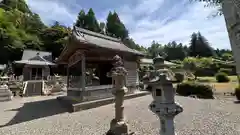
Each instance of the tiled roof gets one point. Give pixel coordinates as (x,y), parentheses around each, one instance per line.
(32,57)
(28,54)
(101,40)
(35,62)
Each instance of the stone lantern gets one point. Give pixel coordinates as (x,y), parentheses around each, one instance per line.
(118,74)
(163,93)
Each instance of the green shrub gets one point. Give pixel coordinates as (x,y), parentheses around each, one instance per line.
(237,93)
(179,77)
(193,88)
(222,77)
(228,71)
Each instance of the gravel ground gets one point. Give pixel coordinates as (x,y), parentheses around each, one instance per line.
(200,117)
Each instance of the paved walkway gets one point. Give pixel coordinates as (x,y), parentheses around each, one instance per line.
(200,117)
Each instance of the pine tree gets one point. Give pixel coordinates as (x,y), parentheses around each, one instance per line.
(81,19)
(91,22)
(193,43)
(199,46)
(206,49)
(115,27)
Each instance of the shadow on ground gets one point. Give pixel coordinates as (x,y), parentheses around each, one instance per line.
(35,110)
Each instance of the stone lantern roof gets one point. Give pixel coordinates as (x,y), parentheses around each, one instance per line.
(158,62)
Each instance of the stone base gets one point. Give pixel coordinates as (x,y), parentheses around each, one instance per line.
(118,128)
(5,95)
(74,103)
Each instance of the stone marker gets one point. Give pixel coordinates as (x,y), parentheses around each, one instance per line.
(163,94)
(118,74)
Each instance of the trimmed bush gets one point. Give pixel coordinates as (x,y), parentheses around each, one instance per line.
(228,71)
(222,77)
(237,93)
(179,77)
(193,88)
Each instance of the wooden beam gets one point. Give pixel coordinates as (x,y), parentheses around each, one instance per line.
(75,58)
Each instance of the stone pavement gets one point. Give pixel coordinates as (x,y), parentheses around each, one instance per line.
(200,117)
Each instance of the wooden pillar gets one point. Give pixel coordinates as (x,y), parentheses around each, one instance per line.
(83,67)
(67,77)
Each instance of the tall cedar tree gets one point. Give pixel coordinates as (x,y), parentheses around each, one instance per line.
(115,27)
(15,4)
(199,46)
(91,22)
(81,19)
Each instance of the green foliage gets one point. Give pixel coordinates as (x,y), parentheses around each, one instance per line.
(54,39)
(15,4)
(237,93)
(228,71)
(199,46)
(115,27)
(91,22)
(190,63)
(227,57)
(222,77)
(20,29)
(179,77)
(192,88)
(175,51)
(81,19)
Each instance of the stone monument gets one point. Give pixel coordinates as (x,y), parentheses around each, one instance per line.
(163,93)
(118,74)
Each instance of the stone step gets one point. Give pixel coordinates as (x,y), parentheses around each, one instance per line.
(3,90)
(8,98)
(5,94)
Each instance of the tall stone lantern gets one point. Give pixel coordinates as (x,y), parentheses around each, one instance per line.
(118,74)
(163,93)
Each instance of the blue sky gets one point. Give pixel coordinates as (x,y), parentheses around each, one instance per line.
(146,20)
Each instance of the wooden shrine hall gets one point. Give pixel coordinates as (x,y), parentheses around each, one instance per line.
(89,56)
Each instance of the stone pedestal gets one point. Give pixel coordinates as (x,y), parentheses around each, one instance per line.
(5,93)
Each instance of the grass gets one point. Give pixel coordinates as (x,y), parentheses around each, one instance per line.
(212,79)
(220,87)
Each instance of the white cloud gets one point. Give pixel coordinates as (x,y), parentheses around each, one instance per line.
(196,19)
(148,20)
(52,11)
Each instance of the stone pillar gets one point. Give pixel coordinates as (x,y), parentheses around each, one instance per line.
(67,77)
(118,74)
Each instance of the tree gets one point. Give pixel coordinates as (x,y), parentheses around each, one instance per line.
(54,39)
(213,3)
(199,46)
(175,51)
(227,57)
(91,22)
(15,4)
(155,49)
(115,27)
(191,64)
(81,19)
